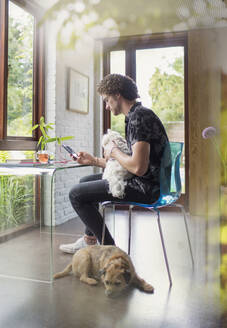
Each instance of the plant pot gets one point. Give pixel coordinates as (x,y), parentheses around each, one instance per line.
(43,156)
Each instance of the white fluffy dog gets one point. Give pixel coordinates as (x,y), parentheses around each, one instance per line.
(114,173)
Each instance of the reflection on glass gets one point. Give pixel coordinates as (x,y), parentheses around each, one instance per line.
(17,195)
(117,65)
(160,80)
(16,202)
(20,72)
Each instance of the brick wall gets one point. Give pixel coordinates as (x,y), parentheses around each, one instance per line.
(68,122)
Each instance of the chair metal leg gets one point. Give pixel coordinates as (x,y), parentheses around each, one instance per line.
(187,230)
(114,207)
(104,224)
(163,247)
(129,228)
(129,225)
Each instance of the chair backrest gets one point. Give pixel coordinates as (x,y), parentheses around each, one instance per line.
(170,181)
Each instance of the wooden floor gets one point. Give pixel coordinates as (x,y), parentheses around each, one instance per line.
(193,300)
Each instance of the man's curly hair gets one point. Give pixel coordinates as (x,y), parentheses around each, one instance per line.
(114,84)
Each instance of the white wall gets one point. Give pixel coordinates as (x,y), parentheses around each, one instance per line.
(67,122)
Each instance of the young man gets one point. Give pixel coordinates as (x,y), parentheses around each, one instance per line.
(146,139)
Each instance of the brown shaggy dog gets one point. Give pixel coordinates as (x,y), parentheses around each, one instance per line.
(109,263)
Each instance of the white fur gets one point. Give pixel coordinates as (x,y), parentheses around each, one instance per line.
(114,173)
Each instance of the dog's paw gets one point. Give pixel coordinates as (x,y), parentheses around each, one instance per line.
(148,288)
(143,285)
(89,281)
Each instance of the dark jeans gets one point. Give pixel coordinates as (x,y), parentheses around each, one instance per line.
(85,197)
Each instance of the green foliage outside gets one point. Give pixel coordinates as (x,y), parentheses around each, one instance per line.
(16,200)
(167,93)
(20,73)
(118,124)
(16,196)
(21,126)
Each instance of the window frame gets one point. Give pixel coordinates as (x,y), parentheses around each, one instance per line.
(160,40)
(21,143)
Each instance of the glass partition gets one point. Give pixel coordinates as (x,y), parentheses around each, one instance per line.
(17,196)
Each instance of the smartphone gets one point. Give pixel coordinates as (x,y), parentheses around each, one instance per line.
(70,151)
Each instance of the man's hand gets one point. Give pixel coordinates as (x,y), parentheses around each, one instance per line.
(136,163)
(108,150)
(85,158)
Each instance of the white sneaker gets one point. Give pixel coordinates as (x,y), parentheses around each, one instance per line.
(72,248)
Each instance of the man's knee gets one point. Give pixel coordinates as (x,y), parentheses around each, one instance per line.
(84,179)
(77,190)
(74,193)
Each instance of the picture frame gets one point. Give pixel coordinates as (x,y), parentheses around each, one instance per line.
(78,92)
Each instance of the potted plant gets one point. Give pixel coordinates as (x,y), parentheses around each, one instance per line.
(42,154)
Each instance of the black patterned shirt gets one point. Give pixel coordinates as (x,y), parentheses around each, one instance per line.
(142,124)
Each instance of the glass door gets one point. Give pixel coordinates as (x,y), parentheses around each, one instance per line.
(160,81)
(117,66)
(159,67)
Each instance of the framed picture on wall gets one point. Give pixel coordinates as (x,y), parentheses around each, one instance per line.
(78,91)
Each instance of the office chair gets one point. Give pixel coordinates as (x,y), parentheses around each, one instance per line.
(170,191)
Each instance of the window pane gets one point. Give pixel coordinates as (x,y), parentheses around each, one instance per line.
(160,80)
(117,65)
(20,72)
(117,62)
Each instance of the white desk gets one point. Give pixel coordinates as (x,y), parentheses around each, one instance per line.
(49,170)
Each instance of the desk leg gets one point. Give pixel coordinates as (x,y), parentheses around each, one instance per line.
(47,216)
(51,229)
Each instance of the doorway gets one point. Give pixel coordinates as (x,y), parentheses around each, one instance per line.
(158,64)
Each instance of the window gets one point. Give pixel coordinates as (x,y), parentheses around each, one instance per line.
(158,64)
(21,106)
(117,65)
(20,71)
(21,75)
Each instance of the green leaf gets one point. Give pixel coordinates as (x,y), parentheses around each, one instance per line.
(66,138)
(35,127)
(43,132)
(51,139)
(49,127)
(40,140)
